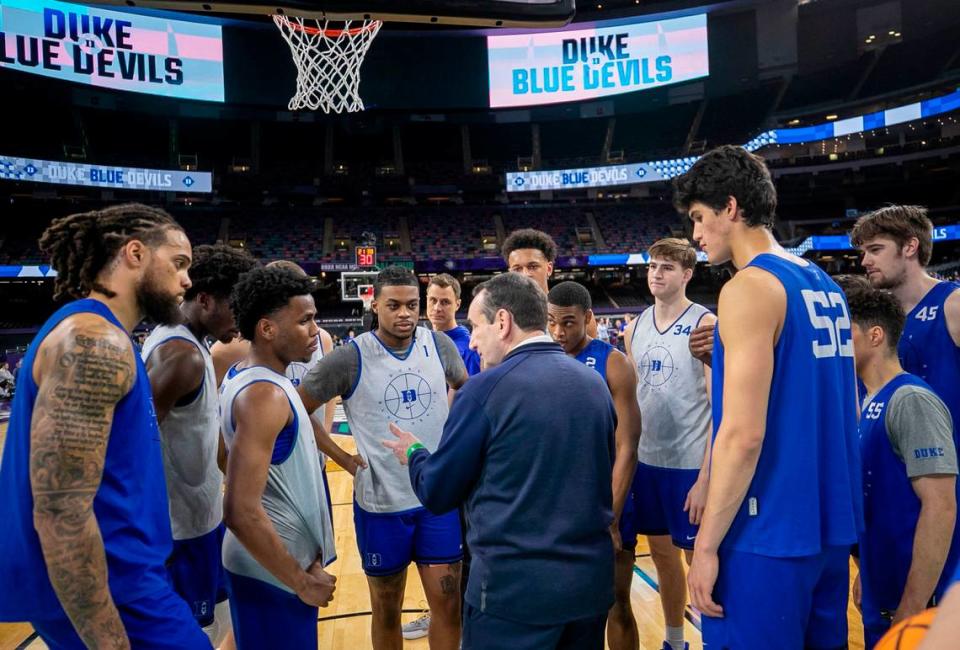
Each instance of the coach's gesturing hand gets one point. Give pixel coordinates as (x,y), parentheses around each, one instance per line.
(405,444)
(317,586)
(701,579)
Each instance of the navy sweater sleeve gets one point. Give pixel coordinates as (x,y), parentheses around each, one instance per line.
(443,480)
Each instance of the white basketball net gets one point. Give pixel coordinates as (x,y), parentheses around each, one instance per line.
(328,56)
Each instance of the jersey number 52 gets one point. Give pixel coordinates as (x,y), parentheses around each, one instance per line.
(837,329)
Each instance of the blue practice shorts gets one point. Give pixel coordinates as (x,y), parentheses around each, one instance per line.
(389,542)
(265,616)
(655,506)
(196,573)
(160,621)
(792,603)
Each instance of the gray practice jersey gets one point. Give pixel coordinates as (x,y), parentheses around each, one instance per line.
(297,370)
(380,386)
(916,419)
(411,392)
(671,390)
(190,436)
(294,497)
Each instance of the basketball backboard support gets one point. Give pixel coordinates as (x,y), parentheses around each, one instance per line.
(477,13)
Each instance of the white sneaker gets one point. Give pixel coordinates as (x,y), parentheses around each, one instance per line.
(417,629)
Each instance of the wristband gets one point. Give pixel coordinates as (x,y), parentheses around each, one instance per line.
(412,448)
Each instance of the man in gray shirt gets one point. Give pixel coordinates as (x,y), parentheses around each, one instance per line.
(397,374)
(909,548)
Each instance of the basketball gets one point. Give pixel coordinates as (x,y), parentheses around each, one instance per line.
(908,633)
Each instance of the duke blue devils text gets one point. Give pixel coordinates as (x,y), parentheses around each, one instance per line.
(98,46)
(604,62)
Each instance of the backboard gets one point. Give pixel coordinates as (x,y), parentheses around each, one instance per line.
(353,282)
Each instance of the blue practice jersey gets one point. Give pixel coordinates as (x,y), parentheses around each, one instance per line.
(806,492)
(891,511)
(927,350)
(595,356)
(461,338)
(130,504)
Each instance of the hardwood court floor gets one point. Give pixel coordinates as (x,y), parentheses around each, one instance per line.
(345,625)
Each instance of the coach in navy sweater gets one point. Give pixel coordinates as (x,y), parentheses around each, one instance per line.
(528,447)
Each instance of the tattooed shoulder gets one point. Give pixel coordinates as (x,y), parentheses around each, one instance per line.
(84,368)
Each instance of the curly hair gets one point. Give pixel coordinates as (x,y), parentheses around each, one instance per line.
(216,269)
(530,238)
(261,292)
(288,265)
(900,223)
(850,282)
(517,294)
(729,171)
(81,245)
(871,307)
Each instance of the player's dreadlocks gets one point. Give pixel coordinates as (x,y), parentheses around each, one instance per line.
(81,245)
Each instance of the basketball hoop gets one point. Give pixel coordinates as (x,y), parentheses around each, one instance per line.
(328,55)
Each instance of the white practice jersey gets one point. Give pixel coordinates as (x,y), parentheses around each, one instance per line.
(190,438)
(411,392)
(294,497)
(671,391)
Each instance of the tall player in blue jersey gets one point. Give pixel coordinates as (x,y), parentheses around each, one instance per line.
(569,310)
(82,491)
(909,473)
(897,243)
(784,502)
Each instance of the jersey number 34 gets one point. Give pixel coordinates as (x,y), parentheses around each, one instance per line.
(837,329)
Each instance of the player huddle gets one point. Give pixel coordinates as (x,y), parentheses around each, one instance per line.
(820,422)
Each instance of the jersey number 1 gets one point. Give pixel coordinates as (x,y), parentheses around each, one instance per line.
(835,328)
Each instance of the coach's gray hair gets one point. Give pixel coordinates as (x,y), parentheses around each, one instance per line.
(517,294)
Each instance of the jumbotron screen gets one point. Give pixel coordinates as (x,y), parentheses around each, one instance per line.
(608,58)
(112,49)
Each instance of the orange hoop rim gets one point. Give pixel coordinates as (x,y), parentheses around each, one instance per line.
(369,25)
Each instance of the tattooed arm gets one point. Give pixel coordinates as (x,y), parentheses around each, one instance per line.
(83,369)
